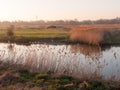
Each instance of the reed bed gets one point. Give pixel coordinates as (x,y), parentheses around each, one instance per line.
(82,62)
(96,34)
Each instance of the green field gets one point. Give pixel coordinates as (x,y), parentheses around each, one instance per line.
(38,33)
(26,35)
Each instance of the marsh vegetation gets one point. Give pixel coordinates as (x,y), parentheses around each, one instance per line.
(96,34)
(67,67)
(89,34)
(60,58)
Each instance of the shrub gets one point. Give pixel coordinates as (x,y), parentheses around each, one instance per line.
(10,31)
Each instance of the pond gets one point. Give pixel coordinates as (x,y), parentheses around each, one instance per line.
(78,60)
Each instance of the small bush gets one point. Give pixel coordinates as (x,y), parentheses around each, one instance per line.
(10,31)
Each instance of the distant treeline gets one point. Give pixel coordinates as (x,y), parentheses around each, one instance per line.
(38,23)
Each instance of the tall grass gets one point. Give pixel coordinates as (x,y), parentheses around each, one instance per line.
(95,35)
(84,64)
(47,59)
(86,36)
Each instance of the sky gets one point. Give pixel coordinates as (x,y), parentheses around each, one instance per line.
(27,10)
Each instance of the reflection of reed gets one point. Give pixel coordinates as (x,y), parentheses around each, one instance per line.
(92,59)
(86,50)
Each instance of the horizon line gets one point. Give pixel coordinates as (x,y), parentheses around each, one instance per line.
(75,19)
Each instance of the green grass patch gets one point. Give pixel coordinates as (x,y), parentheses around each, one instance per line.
(29,35)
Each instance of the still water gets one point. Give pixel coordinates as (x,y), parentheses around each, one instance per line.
(82,61)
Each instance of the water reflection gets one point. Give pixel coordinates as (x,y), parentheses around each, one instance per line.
(93,52)
(85,49)
(78,60)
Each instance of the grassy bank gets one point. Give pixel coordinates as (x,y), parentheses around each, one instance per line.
(14,77)
(90,34)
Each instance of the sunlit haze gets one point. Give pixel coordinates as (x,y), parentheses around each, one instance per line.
(11,10)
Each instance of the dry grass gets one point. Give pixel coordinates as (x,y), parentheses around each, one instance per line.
(13,79)
(56,59)
(87,36)
(53,61)
(94,34)
(45,58)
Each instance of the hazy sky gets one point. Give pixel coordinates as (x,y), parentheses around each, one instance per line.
(58,9)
